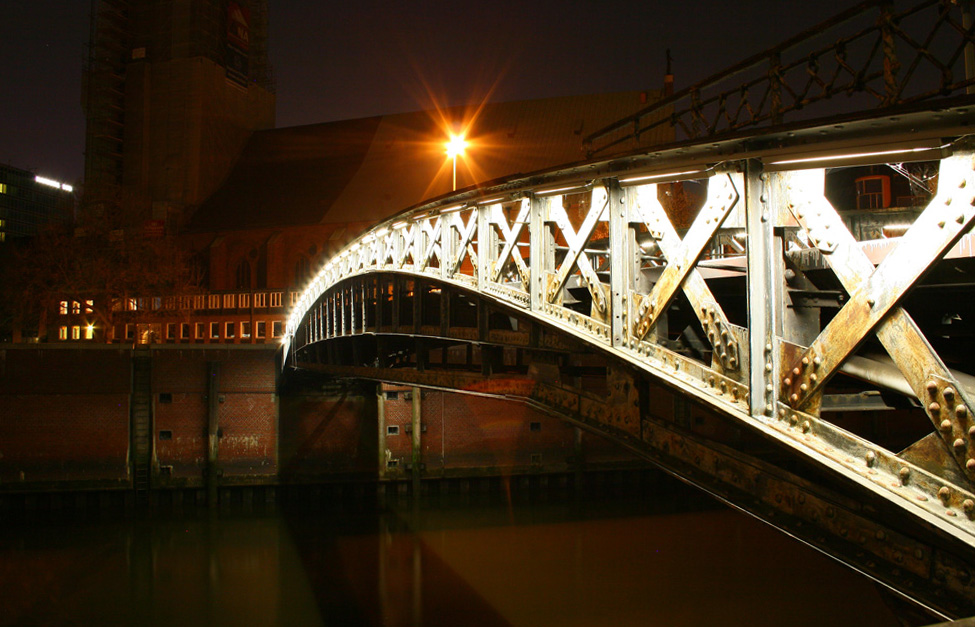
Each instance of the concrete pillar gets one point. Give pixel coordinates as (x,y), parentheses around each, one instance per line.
(417,428)
(381,434)
(213,426)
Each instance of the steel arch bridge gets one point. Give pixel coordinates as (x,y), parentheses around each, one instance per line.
(732,352)
(744,309)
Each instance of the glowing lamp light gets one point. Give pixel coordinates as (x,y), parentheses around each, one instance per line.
(455,148)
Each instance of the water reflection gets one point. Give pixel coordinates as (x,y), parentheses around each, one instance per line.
(448,561)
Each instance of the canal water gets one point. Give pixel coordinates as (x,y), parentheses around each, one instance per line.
(667,558)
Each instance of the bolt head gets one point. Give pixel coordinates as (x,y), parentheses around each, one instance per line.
(944,494)
(904,474)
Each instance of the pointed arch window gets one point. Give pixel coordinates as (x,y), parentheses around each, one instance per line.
(243,275)
(302,270)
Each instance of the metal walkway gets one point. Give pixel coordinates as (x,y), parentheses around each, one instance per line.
(756,312)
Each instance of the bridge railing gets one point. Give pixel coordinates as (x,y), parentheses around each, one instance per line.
(875,55)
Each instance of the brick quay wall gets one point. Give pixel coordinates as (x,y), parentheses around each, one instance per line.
(68,423)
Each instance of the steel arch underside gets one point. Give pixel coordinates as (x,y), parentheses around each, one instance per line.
(761,308)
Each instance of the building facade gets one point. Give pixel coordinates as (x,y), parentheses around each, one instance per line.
(28,201)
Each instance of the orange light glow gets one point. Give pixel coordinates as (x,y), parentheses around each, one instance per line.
(456,145)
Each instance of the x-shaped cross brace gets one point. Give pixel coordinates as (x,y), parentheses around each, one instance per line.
(680,271)
(874,293)
(511,242)
(431,227)
(466,232)
(575,255)
(409,234)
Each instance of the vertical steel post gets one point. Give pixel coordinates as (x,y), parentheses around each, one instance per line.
(890,53)
(619,272)
(536,243)
(484,252)
(763,291)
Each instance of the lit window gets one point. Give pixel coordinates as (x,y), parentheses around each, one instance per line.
(261,329)
(231,330)
(75,333)
(260,300)
(133,304)
(3,188)
(214,330)
(89,306)
(90,332)
(63,333)
(275,299)
(276,328)
(75,307)
(245,329)
(64,308)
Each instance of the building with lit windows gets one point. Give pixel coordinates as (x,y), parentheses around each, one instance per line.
(298,195)
(194,153)
(28,201)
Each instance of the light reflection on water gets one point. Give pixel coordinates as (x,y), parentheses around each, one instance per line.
(447,562)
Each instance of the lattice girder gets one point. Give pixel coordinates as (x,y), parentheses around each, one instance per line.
(516,246)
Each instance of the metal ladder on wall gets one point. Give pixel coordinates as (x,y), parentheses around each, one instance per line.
(141,423)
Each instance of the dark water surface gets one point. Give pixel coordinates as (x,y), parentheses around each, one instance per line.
(449,561)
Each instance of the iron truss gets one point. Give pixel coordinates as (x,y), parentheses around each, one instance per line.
(735,335)
(879,54)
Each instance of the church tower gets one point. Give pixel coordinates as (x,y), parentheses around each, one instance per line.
(173,90)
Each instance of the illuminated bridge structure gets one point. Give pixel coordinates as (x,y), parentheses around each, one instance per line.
(806,362)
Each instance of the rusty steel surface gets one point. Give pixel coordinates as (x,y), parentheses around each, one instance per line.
(519,289)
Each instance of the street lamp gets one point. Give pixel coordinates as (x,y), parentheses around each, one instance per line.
(455,146)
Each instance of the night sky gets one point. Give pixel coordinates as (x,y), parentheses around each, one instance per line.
(339,60)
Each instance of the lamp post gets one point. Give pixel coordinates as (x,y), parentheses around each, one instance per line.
(455,147)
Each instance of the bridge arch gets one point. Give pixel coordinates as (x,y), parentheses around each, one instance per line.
(770,311)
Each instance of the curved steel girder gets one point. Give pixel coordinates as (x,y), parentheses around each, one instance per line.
(935,571)
(918,493)
(464,242)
